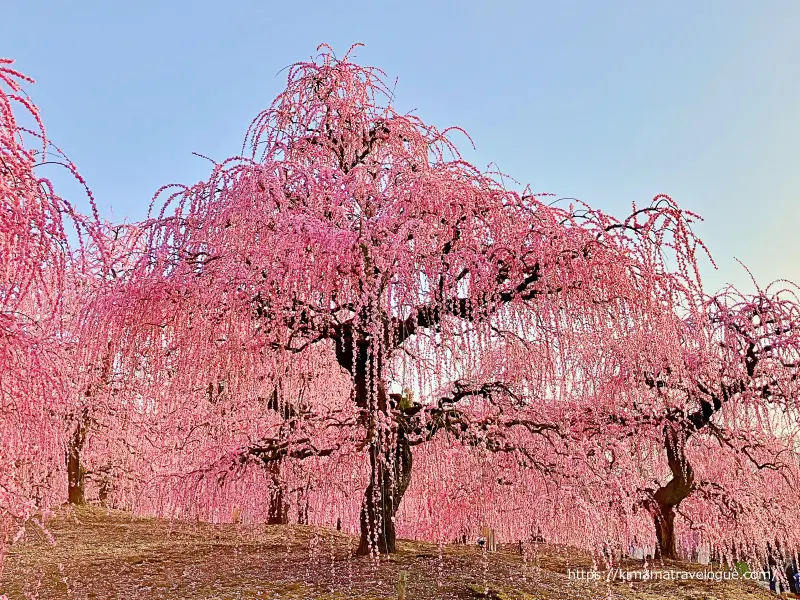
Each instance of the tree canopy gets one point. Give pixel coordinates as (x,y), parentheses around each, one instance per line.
(350,323)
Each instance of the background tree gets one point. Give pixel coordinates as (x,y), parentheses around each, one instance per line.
(712,430)
(90,366)
(34,254)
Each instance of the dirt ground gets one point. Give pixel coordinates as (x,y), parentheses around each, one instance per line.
(102,554)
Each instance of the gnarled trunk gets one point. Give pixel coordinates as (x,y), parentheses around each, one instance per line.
(668,497)
(391,476)
(278,508)
(390,456)
(278,505)
(665,532)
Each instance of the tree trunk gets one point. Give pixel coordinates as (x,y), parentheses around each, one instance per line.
(302,504)
(104,487)
(278,505)
(665,533)
(302,510)
(391,475)
(668,497)
(76,474)
(278,509)
(390,462)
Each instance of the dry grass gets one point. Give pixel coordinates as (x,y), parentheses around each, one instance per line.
(103,554)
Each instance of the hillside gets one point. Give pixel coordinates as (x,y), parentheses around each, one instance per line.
(105,554)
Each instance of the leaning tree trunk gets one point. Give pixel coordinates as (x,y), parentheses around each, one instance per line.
(391,475)
(668,497)
(76,474)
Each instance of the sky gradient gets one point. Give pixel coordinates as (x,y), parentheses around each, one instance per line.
(611,102)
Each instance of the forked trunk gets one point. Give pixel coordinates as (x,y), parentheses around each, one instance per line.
(390,458)
(391,475)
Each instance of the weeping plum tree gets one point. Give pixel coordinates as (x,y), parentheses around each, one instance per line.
(741,401)
(31,267)
(358,234)
(89,367)
(40,275)
(712,430)
(34,256)
(355,242)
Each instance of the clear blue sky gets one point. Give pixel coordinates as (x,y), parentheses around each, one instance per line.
(608,101)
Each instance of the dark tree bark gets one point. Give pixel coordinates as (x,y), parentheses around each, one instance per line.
(391,476)
(278,509)
(104,487)
(665,532)
(75,477)
(302,507)
(76,474)
(278,504)
(668,498)
(390,467)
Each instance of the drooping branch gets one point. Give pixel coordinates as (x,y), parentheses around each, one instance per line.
(269,450)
